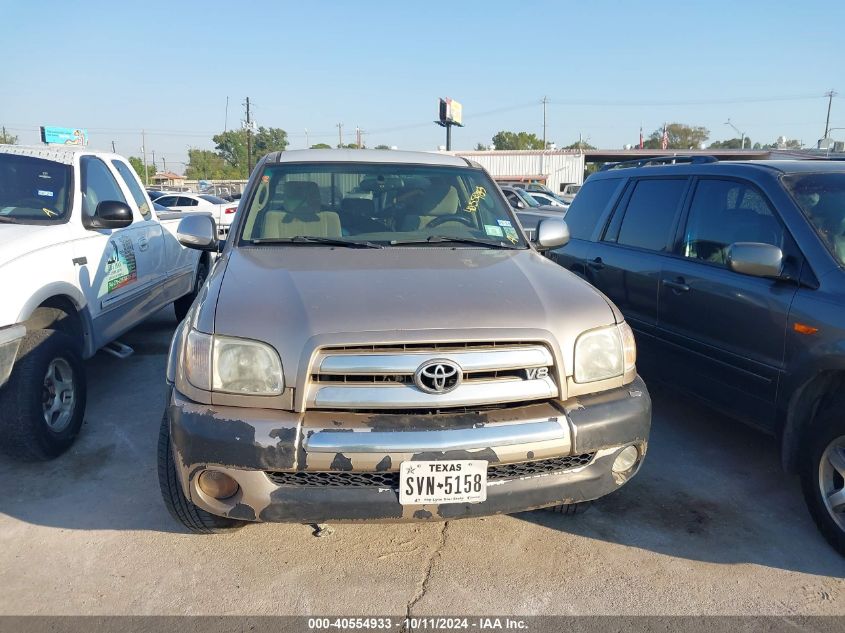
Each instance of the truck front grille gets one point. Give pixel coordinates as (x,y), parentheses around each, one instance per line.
(495,472)
(367,378)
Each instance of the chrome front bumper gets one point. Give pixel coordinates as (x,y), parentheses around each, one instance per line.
(250,443)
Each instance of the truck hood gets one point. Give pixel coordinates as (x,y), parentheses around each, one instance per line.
(17,240)
(298,298)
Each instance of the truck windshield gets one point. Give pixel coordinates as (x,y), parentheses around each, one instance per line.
(33,190)
(822,199)
(391,205)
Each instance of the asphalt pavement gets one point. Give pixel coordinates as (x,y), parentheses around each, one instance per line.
(711,525)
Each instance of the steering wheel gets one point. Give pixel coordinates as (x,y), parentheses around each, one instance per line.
(443,219)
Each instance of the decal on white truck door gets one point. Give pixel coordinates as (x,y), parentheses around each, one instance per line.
(121,269)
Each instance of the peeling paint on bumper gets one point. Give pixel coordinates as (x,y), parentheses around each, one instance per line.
(245,443)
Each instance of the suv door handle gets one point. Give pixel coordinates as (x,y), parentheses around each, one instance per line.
(676,286)
(596,264)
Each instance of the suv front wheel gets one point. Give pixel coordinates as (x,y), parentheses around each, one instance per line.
(823,474)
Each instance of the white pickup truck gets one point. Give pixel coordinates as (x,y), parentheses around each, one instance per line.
(83,258)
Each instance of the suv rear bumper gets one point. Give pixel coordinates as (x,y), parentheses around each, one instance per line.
(248,444)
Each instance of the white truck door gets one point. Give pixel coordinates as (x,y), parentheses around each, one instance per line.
(114,266)
(151,240)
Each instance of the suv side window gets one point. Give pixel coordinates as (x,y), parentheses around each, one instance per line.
(134,188)
(727,211)
(589,205)
(650,215)
(98,185)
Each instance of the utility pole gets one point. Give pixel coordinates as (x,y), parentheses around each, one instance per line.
(545,101)
(340,135)
(248,140)
(830,94)
(164,163)
(114,151)
(226,117)
(154,158)
(144,152)
(358,132)
(307,146)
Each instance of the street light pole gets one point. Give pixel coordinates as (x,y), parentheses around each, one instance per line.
(741,134)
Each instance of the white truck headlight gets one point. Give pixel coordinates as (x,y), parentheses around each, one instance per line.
(605,352)
(232,365)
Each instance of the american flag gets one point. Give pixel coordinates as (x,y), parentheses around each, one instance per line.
(664,144)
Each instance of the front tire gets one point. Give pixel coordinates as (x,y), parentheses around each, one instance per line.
(823,474)
(43,403)
(183,304)
(181,508)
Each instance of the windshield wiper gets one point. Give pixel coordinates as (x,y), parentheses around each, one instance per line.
(313,239)
(439,239)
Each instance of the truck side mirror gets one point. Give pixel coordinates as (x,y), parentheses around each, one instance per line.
(756,259)
(111,214)
(551,233)
(198,231)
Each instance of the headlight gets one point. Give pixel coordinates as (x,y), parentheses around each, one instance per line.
(232,365)
(604,353)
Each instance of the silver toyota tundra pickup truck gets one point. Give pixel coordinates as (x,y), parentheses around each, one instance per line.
(378,341)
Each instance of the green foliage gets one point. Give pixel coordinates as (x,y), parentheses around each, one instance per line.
(7,138)
(731,143)
(517,140)
(204,164)
(321,146)
(480,147)
(138,166)
(350,146)
(681,136)
(231,146)
(580,145)
(382,147)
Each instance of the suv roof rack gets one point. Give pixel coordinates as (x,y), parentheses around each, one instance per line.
(659,160)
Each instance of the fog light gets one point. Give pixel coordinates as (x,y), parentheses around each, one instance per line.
(626,459)
(216,484)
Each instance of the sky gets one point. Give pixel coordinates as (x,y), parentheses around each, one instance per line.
(607,67)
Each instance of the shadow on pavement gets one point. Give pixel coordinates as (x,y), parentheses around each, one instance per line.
(711,489)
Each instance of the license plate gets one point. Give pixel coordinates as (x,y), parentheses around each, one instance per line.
(447,481)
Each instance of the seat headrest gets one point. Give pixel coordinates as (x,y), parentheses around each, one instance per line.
(301,197)
(439,199)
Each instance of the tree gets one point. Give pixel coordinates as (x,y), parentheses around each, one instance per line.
(7,138)
(231,146)
(517,140)
(480,147)
(382,147)
(138,166)
(681,136)
(321,146)
(731,143)
(204,164)
(580,145)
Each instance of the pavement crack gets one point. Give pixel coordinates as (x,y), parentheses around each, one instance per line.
(423,586)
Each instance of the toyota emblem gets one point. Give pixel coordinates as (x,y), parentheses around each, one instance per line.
(438,376)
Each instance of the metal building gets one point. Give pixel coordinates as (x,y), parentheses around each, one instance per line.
(553,168)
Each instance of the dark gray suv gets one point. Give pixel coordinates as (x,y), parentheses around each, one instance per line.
(732,276)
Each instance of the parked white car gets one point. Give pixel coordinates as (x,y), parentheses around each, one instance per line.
(222,211)
(550,200)
(84,257)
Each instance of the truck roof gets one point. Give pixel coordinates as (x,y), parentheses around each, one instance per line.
(56,153)
(367,156)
